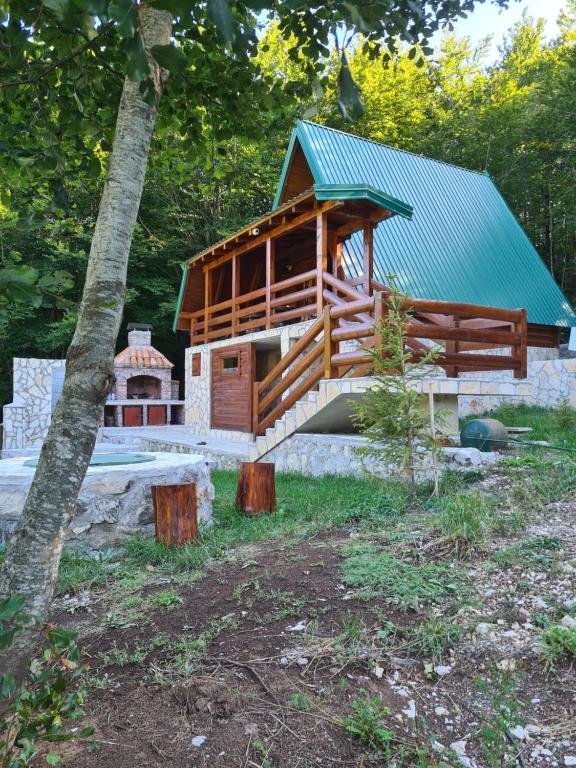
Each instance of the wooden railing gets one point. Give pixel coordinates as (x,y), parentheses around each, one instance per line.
(290,300)
(456,330)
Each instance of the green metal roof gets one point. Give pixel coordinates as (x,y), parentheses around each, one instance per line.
(462,243)
(362,192)
(180,296)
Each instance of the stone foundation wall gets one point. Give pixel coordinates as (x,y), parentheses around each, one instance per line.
(27,418)
(317,455)
(549,382)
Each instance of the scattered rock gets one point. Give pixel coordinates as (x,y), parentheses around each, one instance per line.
(442,669)
(410,710)
(197,741)
(299,627)
(569,621)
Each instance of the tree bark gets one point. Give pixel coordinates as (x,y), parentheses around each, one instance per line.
(33,551)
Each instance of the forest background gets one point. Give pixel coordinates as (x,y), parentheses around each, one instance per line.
(515,119)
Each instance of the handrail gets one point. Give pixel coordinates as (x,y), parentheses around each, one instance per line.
(355,318)
(292,354)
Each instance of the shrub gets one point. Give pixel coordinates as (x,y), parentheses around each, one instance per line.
(366,723)
(558,642)
(464,520)
(34,712)
(433,637)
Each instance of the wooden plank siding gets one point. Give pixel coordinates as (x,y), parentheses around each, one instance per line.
(231,388)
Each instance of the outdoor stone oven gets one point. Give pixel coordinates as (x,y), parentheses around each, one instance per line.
(144,393)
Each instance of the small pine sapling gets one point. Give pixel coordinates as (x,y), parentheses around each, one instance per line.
(393,415)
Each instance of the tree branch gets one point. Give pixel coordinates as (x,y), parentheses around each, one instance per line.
(60,62)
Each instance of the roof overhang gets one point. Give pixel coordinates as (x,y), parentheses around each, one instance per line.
(363,192)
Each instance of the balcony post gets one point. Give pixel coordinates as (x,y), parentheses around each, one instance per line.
(330,347)
(270,277)
(368,256)
(321,259)
(207,292)
(234,293)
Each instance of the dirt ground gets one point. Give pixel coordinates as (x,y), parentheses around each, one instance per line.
(258,662)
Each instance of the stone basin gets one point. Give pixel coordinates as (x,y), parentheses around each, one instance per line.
(115,499)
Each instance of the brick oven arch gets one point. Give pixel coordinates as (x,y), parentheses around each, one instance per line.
(144,387)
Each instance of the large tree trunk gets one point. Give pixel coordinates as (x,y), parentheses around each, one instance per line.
(33,551)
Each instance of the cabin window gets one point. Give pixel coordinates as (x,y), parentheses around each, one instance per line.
(230,364)
(196,364)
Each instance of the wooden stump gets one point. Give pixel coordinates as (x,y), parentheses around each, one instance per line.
(175,513)
(256,492)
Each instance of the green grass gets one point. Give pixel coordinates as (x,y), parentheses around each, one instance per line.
(306,505)
(535,554)
(433,637)
(408,585)
(168,598)
(558,642)
(465,520)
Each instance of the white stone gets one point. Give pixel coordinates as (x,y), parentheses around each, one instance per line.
(410,710)
(568,621)
(569,760)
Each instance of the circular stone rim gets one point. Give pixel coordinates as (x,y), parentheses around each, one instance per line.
(107,459)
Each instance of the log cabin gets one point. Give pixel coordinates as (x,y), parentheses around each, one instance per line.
(281,314)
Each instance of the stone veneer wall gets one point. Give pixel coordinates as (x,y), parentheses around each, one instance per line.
(27,418)
(550,380)
(198,403)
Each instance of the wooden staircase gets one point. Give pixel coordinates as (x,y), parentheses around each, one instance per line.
(295,389)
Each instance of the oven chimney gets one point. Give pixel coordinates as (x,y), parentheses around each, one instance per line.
(139,335)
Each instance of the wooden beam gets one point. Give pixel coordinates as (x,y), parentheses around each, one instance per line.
(368,257)
(321,258)
(278,231)
(331,347)
(235,291)
(270,277)
(207,299)
(356,224)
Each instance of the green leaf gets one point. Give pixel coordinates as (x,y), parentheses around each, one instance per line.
(7,685)
(137,63)
(52,758)
(220,13)
(170,57)
(6,639)
(13,604)
(349,101)
(60,8)
(86,732)
(124,14)
(357,18)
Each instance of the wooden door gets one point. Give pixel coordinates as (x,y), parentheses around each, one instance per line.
(157,415)
(233,370)
(132,415)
